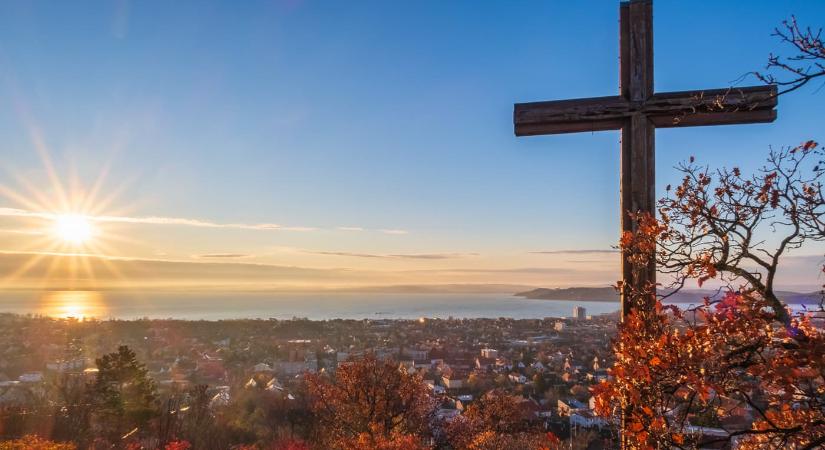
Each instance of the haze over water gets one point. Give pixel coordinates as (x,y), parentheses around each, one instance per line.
(216,306)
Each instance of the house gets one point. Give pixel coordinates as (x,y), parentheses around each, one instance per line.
(222,398)
(597,376)
(447,410)
(289,368)
(31,377)
(14,393)
(504,363)
(262,367)
(568,406)
(437,389)
(485,363)
(413,366)
(68,365)
(273,385)
(466,398)
(528,408)
(251,384)
(490,353)
(415,353)
(587,419)
(211,368)
(460,363)
(517,378)
(454,379)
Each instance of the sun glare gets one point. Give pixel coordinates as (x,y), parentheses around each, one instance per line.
(79,305)
(73,229)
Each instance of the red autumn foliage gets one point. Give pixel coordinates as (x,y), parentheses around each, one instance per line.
(289,444)
(178,445)
(31,442)
(495,421)
(371,402)
(740,363)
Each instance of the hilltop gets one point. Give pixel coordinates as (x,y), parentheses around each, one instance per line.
(608,293)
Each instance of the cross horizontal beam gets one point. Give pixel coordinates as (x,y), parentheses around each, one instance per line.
(673,109)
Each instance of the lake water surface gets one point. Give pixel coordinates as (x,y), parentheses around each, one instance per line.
(212,306)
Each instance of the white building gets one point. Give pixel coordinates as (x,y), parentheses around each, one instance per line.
(31,377)
(489,353)
(579,313)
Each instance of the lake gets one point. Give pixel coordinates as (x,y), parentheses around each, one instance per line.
(214,306)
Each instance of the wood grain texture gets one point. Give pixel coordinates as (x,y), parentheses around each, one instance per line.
(671,109)
(638,111)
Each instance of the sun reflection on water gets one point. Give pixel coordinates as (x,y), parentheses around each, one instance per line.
(79,305)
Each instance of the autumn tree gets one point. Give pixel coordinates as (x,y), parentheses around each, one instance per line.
(496,421)
(806,62)
(370,401)
(198,425)
(740,362)
(31,442)
(74,405)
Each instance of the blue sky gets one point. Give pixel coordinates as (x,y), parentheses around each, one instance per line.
(372,115)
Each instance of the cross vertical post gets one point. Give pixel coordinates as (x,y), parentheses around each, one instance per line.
(638,159)
(637,111)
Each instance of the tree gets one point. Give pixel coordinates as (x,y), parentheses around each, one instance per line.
(490,440)
(124,393)
(805,65)
(741,350)
(495,421)
(73,409)
(370,399)
(31,442)
(714,226)
(198,424)
(379,441)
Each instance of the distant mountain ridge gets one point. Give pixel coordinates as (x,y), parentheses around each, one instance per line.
(608,294)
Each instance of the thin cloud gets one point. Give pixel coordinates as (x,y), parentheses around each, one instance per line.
(434,255)
(348,254)
(15,212)
(574,252)
(159,220)
(394,231)
(189,222)
(397,255)
(223,255)
(21,231)
(586,261)
(530,270)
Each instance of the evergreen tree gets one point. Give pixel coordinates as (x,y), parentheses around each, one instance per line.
(124,393)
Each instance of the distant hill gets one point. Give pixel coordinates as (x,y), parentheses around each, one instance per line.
(608,294)
(584,294)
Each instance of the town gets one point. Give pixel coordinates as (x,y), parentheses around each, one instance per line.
(546,365)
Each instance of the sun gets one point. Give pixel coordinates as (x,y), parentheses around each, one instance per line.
(73,229)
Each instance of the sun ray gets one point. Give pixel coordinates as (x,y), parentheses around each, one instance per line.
(106,262)
(90,200)
(71,248)
(103,206)
(22,200)
(43,151)
(54,265)
(24,268)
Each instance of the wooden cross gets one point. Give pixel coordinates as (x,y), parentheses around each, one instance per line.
(638,111)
